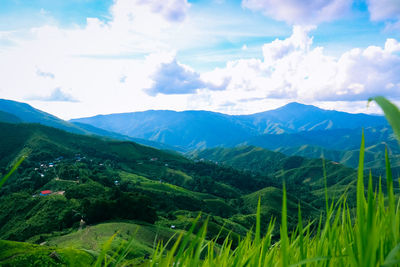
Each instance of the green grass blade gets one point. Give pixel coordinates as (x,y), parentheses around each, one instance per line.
(284,231)
(389,182)
(326,186)
(301,235)
(258,222)
(122,255)
(392,113)
(13,169)
(187,237)
(102,258)
(307,261)
(391,258)
(361,238)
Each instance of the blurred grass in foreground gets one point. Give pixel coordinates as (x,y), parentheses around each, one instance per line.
(13,169)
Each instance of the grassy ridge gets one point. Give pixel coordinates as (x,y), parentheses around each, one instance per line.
(25,254)
(91,238)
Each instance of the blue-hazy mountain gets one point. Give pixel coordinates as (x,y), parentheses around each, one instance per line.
(18,112)
(27,114)
(100,132)
(294,129)
(201,129)
(189,129)
(296,117)
(8,117)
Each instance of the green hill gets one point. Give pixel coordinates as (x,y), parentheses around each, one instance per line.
(91,238)
(374,156)
(26,254)
(304,177)
(115,186)
(100,180)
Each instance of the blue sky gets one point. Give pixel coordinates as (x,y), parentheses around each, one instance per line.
(354,29)
(228,56)
(15,14)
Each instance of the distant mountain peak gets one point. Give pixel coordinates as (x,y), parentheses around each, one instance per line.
(297,105)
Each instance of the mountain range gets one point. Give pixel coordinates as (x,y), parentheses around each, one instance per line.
(294,129)
(202,129)
(18,112)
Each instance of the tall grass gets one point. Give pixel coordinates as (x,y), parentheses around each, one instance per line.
(368,235)
(369,239)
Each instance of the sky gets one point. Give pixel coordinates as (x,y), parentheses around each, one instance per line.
(81,58)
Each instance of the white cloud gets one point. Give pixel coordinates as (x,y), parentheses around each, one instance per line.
(292,69)
(122,79)
(174,78)
(300,11)
(170,10)
(107,65)
(384,9)
(392,26)
(45,74)
(299,40)
(104,64)
(387,11)
(57,95)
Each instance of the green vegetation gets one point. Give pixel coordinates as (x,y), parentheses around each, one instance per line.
(91,238)
(13,169)
(371,238)
(25,254)
(95,181)
(367,235)
(374,154)
(392,113)
(89,201)
(304,177)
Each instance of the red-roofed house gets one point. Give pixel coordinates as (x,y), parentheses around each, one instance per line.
(45,192)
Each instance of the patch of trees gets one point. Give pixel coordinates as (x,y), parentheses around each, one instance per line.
(22,216)
(120,206)
(242,180)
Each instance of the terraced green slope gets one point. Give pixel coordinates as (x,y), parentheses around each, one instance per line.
(304,177)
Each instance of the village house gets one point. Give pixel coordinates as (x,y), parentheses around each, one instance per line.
(45,192)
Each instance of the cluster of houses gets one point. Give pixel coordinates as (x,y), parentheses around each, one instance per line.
(44,167)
